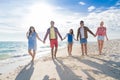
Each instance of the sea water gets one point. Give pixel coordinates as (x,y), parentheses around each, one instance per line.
(13,49)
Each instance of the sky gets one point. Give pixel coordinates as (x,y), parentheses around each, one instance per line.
(16,16)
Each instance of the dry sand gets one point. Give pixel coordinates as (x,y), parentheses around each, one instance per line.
(77,67)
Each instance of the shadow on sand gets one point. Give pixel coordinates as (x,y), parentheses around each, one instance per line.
(46,77)
(106,68)
(64,72)
(26,72)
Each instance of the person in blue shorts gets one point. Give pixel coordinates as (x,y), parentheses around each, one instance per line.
(70,37)
(32,42)
(82,33)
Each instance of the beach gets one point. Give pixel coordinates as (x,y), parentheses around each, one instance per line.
(75,67)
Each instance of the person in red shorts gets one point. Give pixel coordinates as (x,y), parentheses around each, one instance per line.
(52,32)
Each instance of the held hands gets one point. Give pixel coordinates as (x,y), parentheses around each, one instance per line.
(95,35)
(62,39)
(44,42)
(75,39)
(40,40)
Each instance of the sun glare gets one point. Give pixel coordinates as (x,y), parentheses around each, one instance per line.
(39,14)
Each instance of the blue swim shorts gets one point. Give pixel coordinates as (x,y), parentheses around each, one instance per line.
(83,40)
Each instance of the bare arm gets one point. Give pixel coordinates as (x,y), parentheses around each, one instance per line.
(38,37)
(106,37)
(78,33)
(59,34)
(27,34)
(106,34)
(74,38)
(65,37)
(46,36)
(96,32)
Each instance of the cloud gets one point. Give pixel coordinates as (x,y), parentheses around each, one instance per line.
(12,14)
(118,3)
(82,3)
(91,8)
(111,18)
(59,8)
(19,18)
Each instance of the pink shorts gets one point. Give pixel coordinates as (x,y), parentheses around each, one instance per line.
(53,42)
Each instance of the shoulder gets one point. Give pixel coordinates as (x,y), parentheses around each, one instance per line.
(73,35)
(35,33)
(85,27)
(48,29)
(67,34)
(98,27)
(79,28)
(56,28)
(104,27)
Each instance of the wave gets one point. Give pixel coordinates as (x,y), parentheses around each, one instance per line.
(10,49)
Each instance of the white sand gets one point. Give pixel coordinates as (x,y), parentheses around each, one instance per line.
(77,67)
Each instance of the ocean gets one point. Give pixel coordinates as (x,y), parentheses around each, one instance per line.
(14,49)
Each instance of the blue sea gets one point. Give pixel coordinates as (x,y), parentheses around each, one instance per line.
(13,49)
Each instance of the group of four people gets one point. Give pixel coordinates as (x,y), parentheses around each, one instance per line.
(53,37)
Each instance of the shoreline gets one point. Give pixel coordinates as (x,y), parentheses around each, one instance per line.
(111,54)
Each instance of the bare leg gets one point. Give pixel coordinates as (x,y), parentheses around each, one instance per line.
(70,49)
(85,48)
(102,42)
(55,51)
(34,53)
(29,51)
(99,46)
(52,52)
(82,49)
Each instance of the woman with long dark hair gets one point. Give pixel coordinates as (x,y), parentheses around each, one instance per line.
(32,45)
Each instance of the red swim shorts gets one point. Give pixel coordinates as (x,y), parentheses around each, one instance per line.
(53,42)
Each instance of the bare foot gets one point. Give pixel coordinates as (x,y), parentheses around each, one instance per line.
(55,56)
